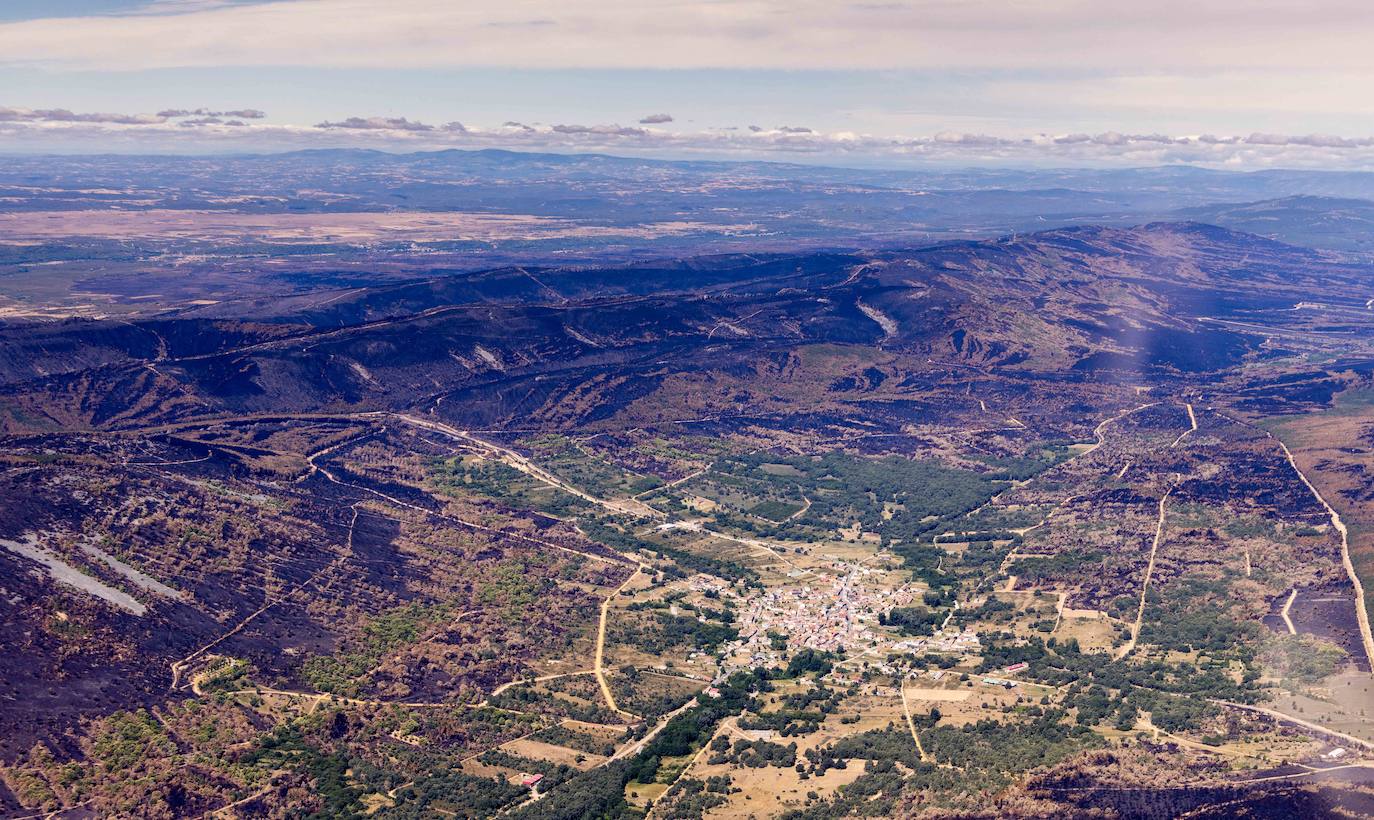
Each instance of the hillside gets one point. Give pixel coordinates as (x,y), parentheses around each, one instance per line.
(441,532)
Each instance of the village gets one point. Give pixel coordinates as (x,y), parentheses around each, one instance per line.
(833,613)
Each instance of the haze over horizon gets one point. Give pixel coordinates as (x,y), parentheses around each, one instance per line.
(1066,83)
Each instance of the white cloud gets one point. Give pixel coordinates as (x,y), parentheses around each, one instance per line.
(199,116)
(242,113)
(62,115)
(1174,36)
(55,129)
(376,124)
(601,131)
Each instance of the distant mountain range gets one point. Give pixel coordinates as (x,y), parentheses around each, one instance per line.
(97,235)
(800,202)
(1315,221)
(1169,299)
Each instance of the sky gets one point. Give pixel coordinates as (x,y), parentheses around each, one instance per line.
(1224,83)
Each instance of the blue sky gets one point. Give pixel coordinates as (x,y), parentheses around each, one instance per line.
(1253,83)
(30,9)
(12,10)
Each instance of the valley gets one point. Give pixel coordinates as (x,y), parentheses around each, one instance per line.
(1065,523)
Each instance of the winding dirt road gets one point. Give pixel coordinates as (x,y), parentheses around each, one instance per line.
(1129,647)
(911,723)
(1361,611)
(598,666)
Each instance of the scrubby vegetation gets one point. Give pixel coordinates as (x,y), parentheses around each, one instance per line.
(340,673)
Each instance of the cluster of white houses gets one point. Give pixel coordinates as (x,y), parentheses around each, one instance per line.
(832,617)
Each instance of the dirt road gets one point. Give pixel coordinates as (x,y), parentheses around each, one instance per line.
(1145,586)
